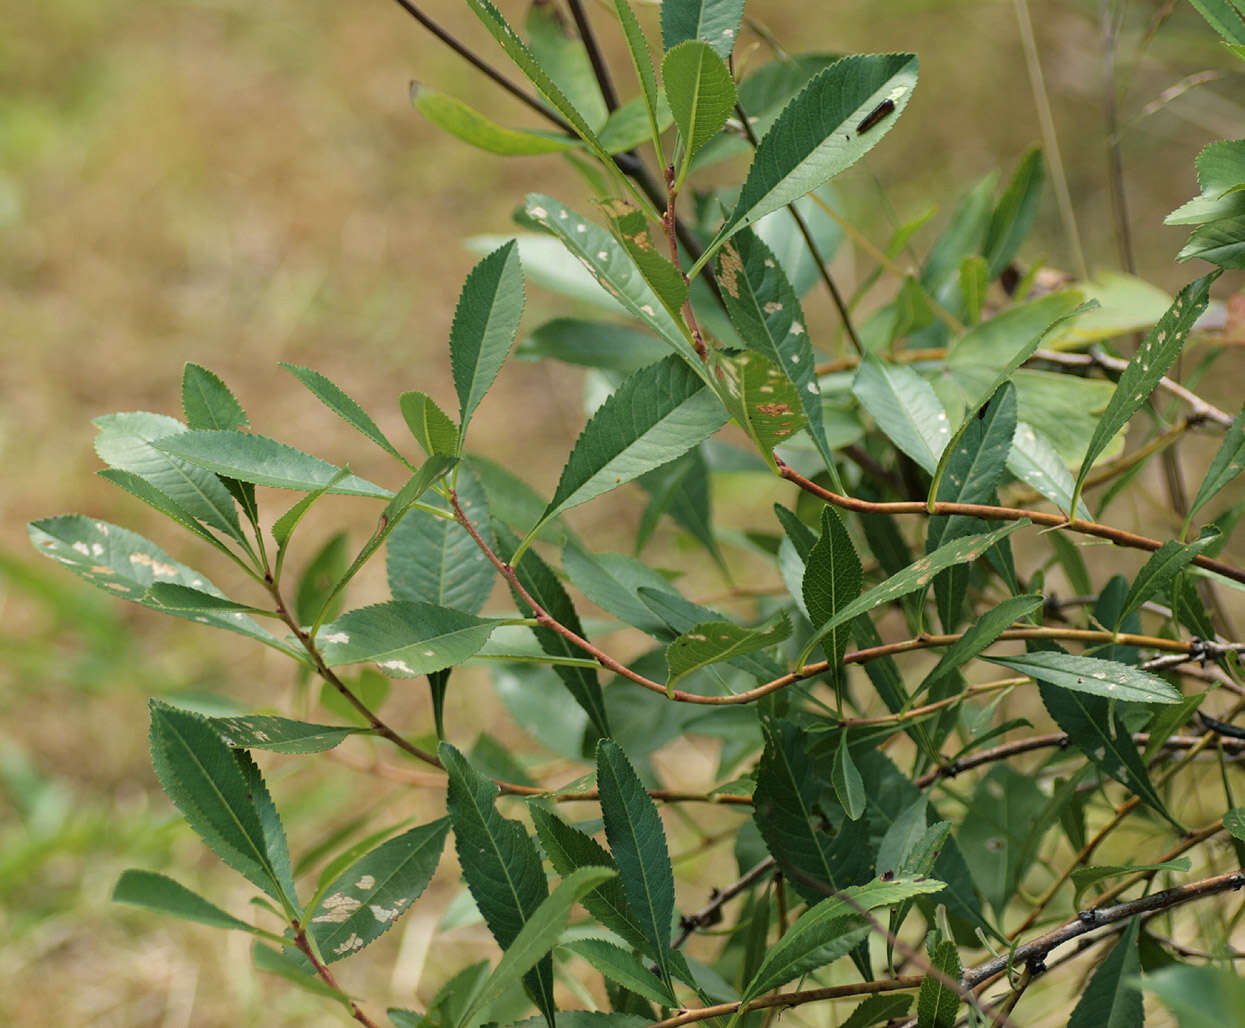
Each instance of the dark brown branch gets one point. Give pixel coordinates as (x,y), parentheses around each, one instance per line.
(326,976)
(599,67)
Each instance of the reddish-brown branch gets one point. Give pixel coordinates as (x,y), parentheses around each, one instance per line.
(991,513)
(326,976)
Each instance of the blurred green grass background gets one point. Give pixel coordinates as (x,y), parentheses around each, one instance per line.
(237,183)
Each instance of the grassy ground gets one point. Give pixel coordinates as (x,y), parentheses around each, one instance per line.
(236,184)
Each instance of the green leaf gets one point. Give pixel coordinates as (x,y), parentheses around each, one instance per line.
(616,964)
(263,461)
(973,285)
(765,310)
(849,787)
(317,583)
(1035,461)
(1202,997)
(1228,462)
(473,128)
(972,466)
(433,559)
(783,809)
(876,1009)
(701,94)
(905,408)
(1220,172)
(208,403)
(632,231)
(1159,351)
(209,783)
(832,579)
(1084,877)
(127,442)
(539,935)
(1234,822)
(569,849)
(656,415)
(635,123)
(485,321)
(713,641)
(682,490)
(283,527)
(183,599)
(126,565)
(989,626)
(432,428)
(996,835)
(608,262)
(564,58)
(915,576)
(160,893)
(638,843)
(760,397)
(1157,572)
(937,1003)
(1223,18)
(141,488)
(592,344)
(278,734)
(1112,998)
(821,132)
(1096,729)
(1106,678)
(295,969)
(716,22)
(1013,214)
(364,901)
(828,930)
(336,400)
(543,586)
(404,638)
(526,61)
(500,863)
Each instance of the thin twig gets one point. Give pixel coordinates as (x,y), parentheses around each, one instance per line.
(326,976)
(599,68)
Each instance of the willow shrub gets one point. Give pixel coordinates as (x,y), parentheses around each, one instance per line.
(906,845)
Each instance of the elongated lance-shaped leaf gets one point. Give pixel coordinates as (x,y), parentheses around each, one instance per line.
(1228,462)
(622,968)
(824,925)
(1013,214)
(126,565)
(840,116)
(543,586)
(613,268)
(475,129)
(974,463)
(165,896)
(1220,243)
(937,1003)
(701,94)
(632,231)
(263,461)
(564,58)
(1106,678)
(1097,731)
(340,403)
(1003,344)
(157,499)
(642,61)
(681,615)
(1150,363)
(432,428)
(832,579)
(783,802)
(716,22)
(915,576)
(365,900)
(569,849)
(485,321)
(433,559)
(127,442)
(997,833)
(283,527)
(638,843)
(656,415)
(714,641)
(279,734)
(765,310)
(905,408)
(540,933)
(170,596)
(682,490)
(526,61)
(208,403)
(989,627)
(760,398)
(849,787)
(1164,564)
(215,793)
(296,969)
(500,863)
(1034,460)
(403,638)
(1112,999)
